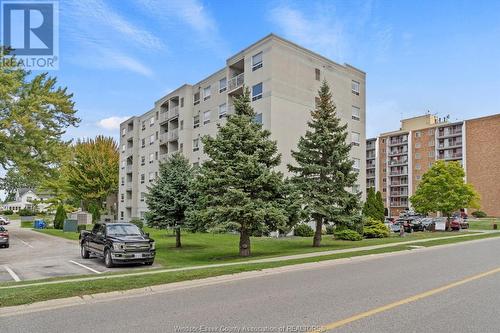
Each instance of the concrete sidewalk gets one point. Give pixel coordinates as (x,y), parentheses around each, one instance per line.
(248,262)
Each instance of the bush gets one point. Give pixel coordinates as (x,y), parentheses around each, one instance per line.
(8,212)
(26,212)
(138,222)
(303,230)
(348,234)
(330,229)
(375,229)
(59,217)
(479,214)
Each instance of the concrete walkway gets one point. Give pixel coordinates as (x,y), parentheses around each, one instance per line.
(248,262)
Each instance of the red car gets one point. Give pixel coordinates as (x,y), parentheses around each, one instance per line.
(458,223)
(4,237)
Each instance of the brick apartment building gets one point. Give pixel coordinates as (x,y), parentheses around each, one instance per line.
(396,161)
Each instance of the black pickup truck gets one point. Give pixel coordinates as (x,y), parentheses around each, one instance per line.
(118,243)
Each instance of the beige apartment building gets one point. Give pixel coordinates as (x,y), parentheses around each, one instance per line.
(283,79)
(397,160)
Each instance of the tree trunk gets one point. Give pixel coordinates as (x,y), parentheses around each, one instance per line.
(244,243)
(317,234)
(178,237)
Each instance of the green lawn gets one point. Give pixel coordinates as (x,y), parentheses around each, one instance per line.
(205,248)
(30,294)
(484,223)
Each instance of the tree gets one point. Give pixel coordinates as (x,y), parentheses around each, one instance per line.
(238,188)
(443,189)
(324,172)
(59,217)
(169,198)
(92,172)
(13,180)
(34,115)
(374,206)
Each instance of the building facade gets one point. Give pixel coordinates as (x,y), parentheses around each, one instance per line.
(283,79)
(27,198)
(403,156)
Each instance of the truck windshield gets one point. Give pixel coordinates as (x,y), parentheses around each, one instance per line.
(123,230)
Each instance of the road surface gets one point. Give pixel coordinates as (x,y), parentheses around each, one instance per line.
(352,296)
(33,255)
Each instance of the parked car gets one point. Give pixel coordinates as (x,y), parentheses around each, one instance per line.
(403,222)
(427,223)
(458,223)
(118,243)
(417,225)
(4,221)
(4,237)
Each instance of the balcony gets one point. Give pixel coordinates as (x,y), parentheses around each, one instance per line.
(163,117)
(456,156)
(399,193)
(398,142)
(399,184)
(449,132)
(370,155)
(399,204)
(445,145)
(235,83)
(163,138)
(398,172)
(173,113)
(398,162)
(128,168)
(173,135)
(398,152)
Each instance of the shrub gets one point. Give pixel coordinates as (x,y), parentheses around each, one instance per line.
(59,217)
(330,229)
(348,234)
(8,212)
(138,222)
(375,229)
(479,214)
(26,212)
(303,230)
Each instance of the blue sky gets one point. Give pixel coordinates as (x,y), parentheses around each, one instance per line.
(118,57)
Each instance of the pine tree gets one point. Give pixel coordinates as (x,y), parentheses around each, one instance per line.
(238,189)
(169,198)
(59,217)
(380,205)
(374,206)
(323,172)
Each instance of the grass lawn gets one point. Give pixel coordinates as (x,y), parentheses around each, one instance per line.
(25,295)
(205,248)
(484,223)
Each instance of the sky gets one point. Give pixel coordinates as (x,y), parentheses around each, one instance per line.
(119,57)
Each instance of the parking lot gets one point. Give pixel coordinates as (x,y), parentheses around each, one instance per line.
(33,255)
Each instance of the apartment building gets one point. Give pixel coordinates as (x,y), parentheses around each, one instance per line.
(283,79)
(403,156)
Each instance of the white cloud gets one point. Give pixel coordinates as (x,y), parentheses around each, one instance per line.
(111,123)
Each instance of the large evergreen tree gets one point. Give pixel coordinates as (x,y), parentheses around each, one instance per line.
(238,188)
(323,172)
(169,198)
(374,206)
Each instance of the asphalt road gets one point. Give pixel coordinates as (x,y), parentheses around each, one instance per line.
(33,255)
(297,301)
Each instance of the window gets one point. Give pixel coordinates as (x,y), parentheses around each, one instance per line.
(431,143)
(143,143)
(355,188)
(431,132)
(143,160)
(151,139)
(355,138)
(151,158)
(417,145)
(258,118)
(124,131)
(151,176)
(182,102)
(355,113)
(196,98)
(431,154)
(418,134)
(181,147)
(123,148)
(143,126)
(430,165)
(182,125)
(143,178)
(256,61)
(222,85)
(355,87)
(317,74)
(222,110)
(206,117)
(151,121)
(257,92)
(156,155)
(143,195)
(121,215)
(122,197)
(417,156)
(196,144)
(383,140)
(418,177)
(124,162)
(206,93)
(196,121)
(357,163)
(123,180)
(417,166)
(156,135)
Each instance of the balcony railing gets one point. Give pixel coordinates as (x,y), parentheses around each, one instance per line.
(398,172)
(163,137)
(399,204)
(163,116)
(399,184)
(450,156)
(398,162)
(450,144)
(399,194)
(449,132)
(398,152)
(173,113)
(128,168)
(236,82)
(395,142)
(173,134)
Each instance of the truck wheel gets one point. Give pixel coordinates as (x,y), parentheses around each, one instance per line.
(85,254)
(108,261)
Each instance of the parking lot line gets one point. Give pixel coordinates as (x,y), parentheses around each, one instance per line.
(25,243)
(82,265)
(12,273)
